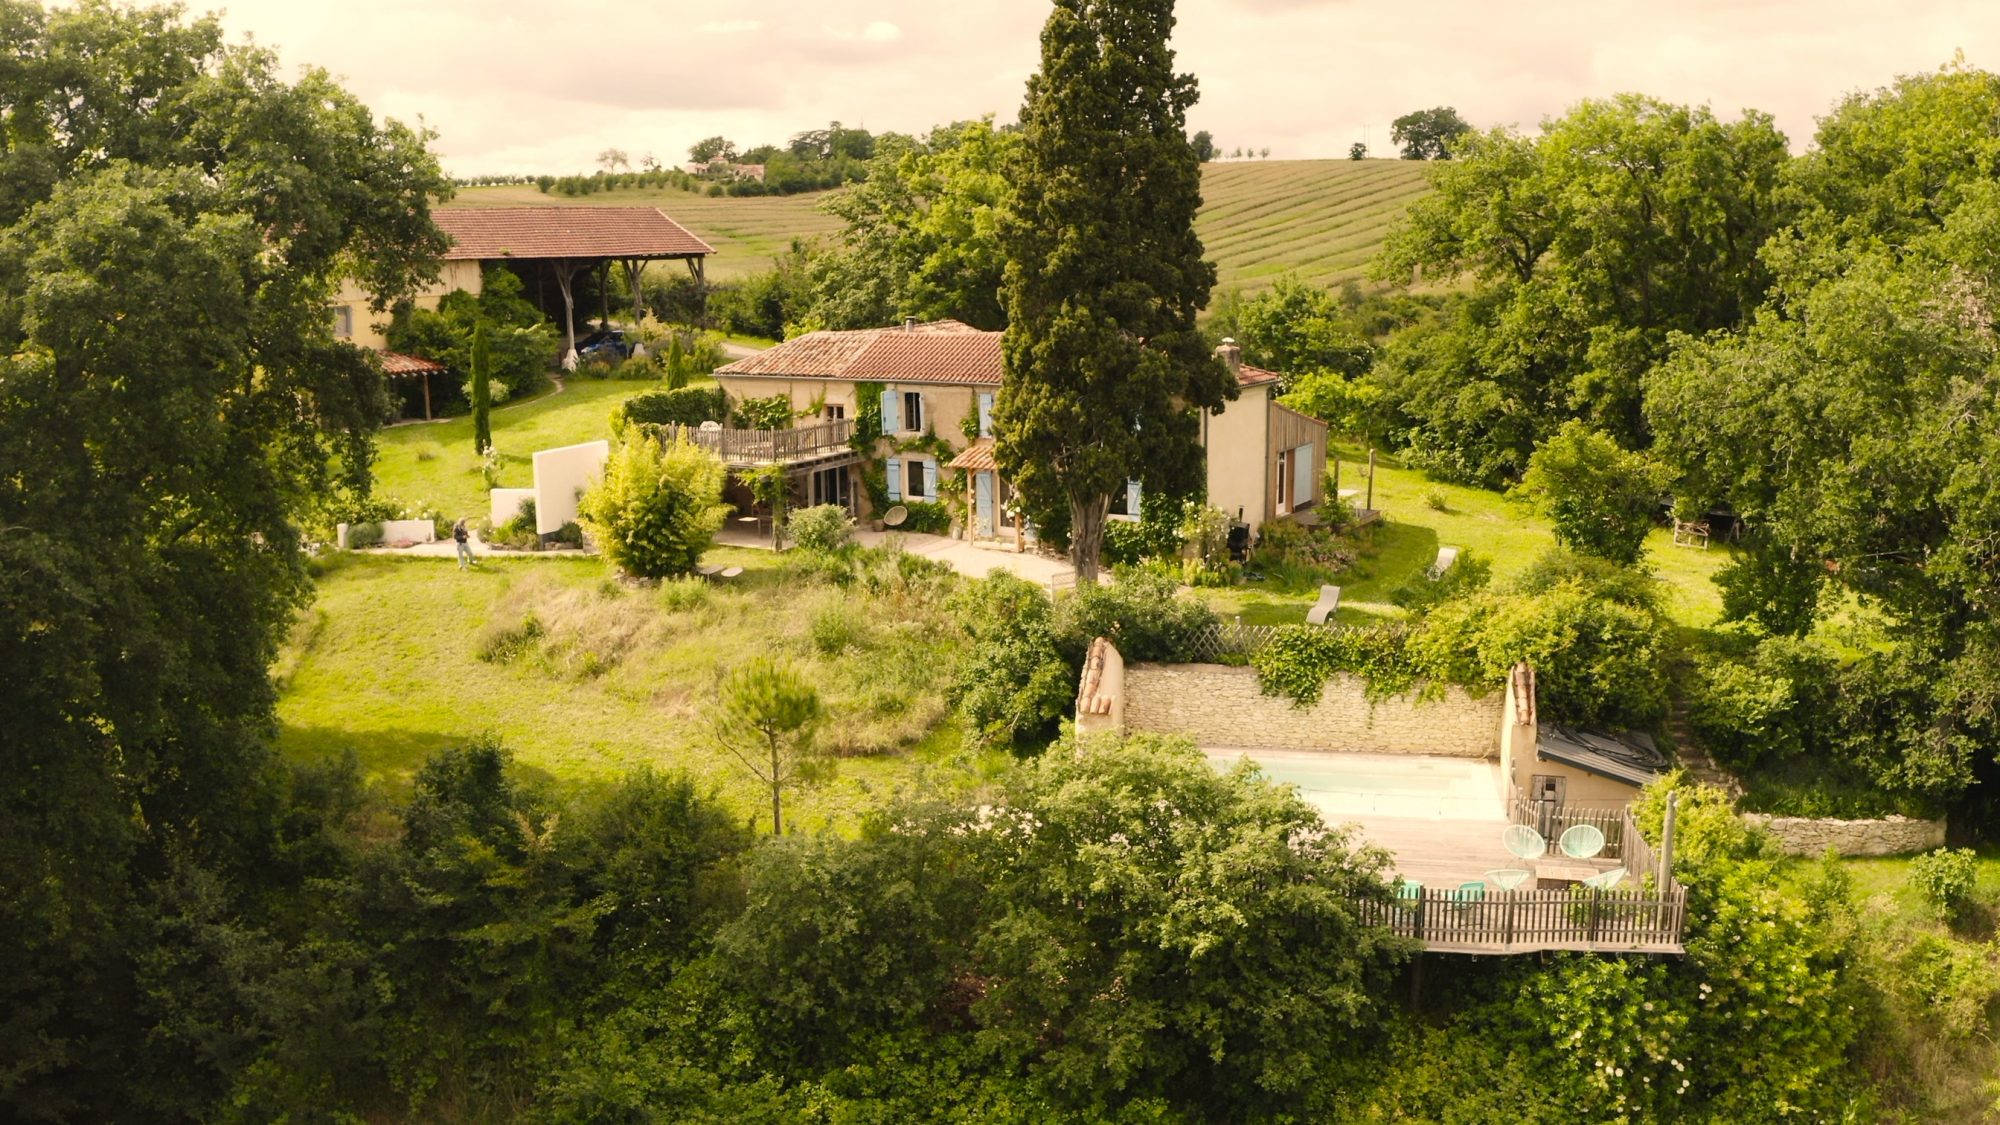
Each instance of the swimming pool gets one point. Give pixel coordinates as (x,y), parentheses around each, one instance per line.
(1344,786)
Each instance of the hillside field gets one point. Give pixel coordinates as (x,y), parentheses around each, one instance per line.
(1321,219)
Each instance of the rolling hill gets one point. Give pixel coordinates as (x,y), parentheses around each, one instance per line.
(1321,219)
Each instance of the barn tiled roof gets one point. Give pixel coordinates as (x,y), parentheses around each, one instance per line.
(396,363)
(1249,376)
(564,232)
(939,351)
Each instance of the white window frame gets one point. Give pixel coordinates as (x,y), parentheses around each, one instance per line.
(914,475)
(343,321)
(912,420)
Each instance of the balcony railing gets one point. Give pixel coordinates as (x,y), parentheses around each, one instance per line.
(1551,818)
(1644,919)
(768,447)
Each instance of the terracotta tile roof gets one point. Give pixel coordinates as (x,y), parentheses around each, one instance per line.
(940,351)
(815,355)
(564,232)
(977,458)
(930,357)
(396,363)
(1249,376)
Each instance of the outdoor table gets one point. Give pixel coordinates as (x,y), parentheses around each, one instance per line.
(1555,874)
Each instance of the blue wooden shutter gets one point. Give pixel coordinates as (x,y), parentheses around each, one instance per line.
(983,503)
(1132,498)
(985,413)
(930,480)
(895,478)
(892,411)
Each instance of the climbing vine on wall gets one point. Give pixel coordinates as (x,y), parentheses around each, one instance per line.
(1298,661)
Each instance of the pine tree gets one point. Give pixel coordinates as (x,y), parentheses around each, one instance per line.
(482,395)
(1106,373)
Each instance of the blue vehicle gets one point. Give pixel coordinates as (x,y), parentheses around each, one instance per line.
(605,344)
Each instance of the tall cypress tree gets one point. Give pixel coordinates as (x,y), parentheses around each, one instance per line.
(1106,374)
(482,392)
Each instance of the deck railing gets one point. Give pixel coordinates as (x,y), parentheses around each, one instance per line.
(1551,819)
(768,447)
(1445,920)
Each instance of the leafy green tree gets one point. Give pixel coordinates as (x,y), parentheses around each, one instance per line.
(1104,275)
(1295,328)
(711,149)
(769,714)
(1427,134)
(1217,909)
(1357,151)
(1626,221)
(1014,684)
(1204,146)
(482,395)
(921,236)
(1601,499)
(521,342)
(657,507)
(175,215)
(1853,423)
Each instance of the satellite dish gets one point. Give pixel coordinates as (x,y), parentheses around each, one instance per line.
(895,516)
(711,427)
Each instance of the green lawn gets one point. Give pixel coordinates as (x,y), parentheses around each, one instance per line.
(433,462)
(1504,532)
(387,664)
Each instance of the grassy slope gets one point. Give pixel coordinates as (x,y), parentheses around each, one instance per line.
(1504,532)
(433,461)
(1322,219)
(386,664)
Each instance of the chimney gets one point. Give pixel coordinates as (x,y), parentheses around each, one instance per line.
(1231,355)
(909,324)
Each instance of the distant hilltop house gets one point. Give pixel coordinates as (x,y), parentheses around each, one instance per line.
(547,246)
(934,385)
(725,170)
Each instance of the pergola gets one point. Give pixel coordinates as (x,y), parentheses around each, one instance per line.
(398,365)
(568,240)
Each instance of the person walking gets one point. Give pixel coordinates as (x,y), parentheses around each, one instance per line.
(463,538)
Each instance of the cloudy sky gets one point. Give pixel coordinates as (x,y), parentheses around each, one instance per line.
(521,86)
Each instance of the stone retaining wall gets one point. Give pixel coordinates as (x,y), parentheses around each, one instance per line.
(1218,705)
(1811,836)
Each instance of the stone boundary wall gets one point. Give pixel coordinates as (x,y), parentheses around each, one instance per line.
(1218,705)
(1811,836)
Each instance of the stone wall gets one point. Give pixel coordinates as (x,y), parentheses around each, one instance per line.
(1811,836)
(1221,706)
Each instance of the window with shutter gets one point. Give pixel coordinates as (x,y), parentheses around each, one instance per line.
(892,411)
(930,480)
(986,414)
(895,480)
(913,412)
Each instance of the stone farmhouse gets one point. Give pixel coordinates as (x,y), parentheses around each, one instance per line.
(933,385)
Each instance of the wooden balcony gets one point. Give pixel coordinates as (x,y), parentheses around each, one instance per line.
(1643,919)
(821,445)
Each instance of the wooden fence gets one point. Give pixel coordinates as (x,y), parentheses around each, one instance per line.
(1582,919)
(1551,819)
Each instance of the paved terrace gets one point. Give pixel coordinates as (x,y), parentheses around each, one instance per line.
(1440,819)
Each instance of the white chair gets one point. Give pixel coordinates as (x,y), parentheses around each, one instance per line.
(1323,609)
(1446,557)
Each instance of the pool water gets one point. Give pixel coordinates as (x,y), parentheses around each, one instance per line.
(1345,785)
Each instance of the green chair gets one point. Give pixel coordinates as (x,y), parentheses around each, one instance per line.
(1470,892)
(1409,891)
(1605,880)
(1581,841)
(1523,842)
